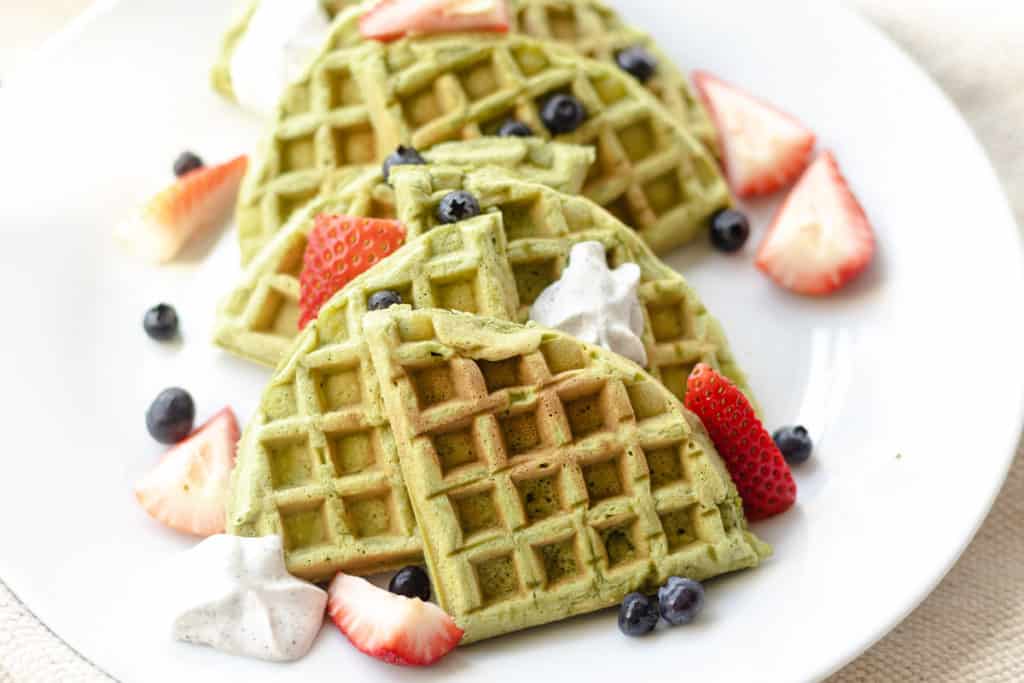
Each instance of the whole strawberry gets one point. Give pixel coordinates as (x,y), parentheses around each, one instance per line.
(338,249)
(751,456)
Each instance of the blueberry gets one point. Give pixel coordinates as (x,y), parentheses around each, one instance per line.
(170,416)
(514,128)
(161,322)
(403,156)
(680,600)
(457,206)
(562,113)
(729,230)
(186,161)
(795,444)
(385,298)
(638,615)
(637,62)
(412,582)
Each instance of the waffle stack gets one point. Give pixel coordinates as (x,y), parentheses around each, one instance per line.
(317,463)
(539,477)
(588,26)
(259,318)
(542,225)
(354,105)
(292,458)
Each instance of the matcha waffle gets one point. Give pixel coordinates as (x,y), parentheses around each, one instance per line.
(595,30)
(259,318)
(317,463)
(549,478)
(355,105)
(541,225)
(264,208)
(588,26)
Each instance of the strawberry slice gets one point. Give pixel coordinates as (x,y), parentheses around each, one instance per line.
(821,238)
(763,149)
(755,463)
(188,488)
(390,627)
(199,200)
(393,19)
(338,249)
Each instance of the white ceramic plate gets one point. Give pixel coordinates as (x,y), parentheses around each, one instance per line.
(911,381)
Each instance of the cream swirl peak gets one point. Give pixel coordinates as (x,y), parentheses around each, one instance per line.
(595,304)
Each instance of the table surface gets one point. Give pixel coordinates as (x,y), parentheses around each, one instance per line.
(972,627)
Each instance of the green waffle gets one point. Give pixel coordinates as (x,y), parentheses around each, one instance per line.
(317,463)
(596,31)
(549,478)
(355,105)
(264,208)
(588,26)
(259,318)
(541,225)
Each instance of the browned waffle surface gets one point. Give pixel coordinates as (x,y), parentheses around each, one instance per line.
(549,478)
(317,463)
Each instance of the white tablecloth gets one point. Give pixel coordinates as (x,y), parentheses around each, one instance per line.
(972,626)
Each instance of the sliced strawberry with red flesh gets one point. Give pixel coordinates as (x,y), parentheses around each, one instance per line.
(393,19)
(763,149)
(390,627)
(188,489)
(821,238)
(198,201)
(338,249)
(755,463)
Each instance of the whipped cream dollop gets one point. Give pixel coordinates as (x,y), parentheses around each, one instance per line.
(235,595)
(595,304)
(282,37)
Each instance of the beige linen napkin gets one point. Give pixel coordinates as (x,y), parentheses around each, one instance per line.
(972,626)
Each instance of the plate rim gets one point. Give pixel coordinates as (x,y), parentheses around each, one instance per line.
(39,56)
